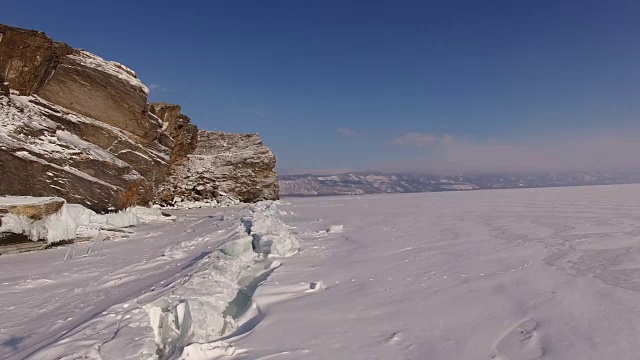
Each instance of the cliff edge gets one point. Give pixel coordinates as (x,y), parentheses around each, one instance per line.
(76,126)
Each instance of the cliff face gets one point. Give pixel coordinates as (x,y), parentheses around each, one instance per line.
(240,164)
(223,164)
(179,134)
(47,150)
(76,126)
(26,57)
(103,90)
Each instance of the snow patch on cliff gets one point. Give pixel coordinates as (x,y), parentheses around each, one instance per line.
(110,67)
(25,130)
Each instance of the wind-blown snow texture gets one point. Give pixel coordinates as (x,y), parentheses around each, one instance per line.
(505,274)
(145,297)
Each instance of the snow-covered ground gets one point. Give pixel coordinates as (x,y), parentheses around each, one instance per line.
(507,274)
(142,297)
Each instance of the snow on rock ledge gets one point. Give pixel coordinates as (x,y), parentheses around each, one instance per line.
(53,220)
(74,157)
(103,90)
(37,218)
(82,125)
(31,207)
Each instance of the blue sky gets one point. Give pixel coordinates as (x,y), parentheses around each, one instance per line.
(432,86)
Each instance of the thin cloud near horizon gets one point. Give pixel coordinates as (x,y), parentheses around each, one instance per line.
(616,152)
(605,152)
(420,140)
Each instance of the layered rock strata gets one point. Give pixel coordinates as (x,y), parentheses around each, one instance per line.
(223,164)
(181,135)
(46,150)
(79,127)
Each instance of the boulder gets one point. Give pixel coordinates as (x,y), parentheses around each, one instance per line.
(103,90)
(17,214)
(223,164)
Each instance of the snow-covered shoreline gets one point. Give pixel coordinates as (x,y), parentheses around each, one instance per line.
(70,221)
(526,274)
(148,296)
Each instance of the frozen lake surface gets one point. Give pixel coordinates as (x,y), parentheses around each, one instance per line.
(507,274)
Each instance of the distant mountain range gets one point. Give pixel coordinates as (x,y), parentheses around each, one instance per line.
(359,183)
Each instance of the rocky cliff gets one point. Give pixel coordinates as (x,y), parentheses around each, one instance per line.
(79,127)
(222,164)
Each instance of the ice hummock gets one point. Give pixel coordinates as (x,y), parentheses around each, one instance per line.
(271,236)
(164,293)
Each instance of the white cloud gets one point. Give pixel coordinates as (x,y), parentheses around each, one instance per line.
(421,140)
(615,152)
(157,88)
(345,132)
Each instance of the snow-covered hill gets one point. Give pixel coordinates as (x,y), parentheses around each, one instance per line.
(377,183)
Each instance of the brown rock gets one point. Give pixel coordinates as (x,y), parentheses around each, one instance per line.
(166,140)
(148,158)
(178,127)
(168,114)
(25,57)
(4,86)
(186,143)
(223,164)
(41,157)
(48,179)
(90,137)
(31,207)
(103,90)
